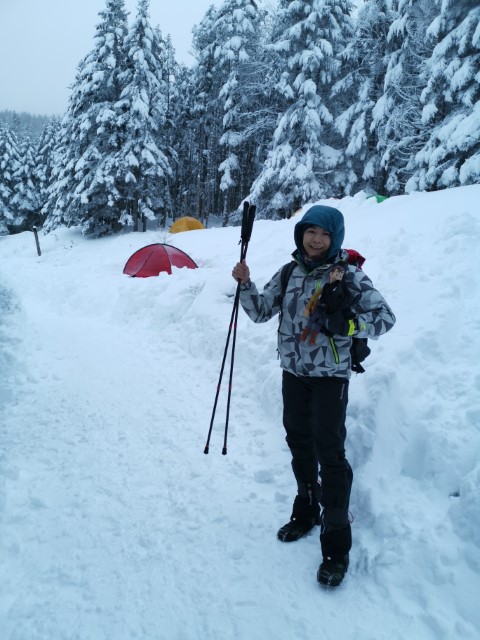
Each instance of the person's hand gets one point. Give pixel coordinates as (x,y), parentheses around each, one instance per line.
(241,272)
(337,324)
(330,324)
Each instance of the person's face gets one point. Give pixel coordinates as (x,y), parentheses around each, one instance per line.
(316,242)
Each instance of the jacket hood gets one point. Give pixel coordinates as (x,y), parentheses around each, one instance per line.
(329,219)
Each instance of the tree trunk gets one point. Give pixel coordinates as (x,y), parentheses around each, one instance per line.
(134,210)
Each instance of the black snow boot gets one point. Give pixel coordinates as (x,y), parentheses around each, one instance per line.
(331,572)
(305,516)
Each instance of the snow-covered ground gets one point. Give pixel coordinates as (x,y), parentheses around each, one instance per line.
(115,525)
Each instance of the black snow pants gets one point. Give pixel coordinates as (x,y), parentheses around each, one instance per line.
(314,411)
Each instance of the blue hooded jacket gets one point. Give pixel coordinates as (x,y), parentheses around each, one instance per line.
(329,219)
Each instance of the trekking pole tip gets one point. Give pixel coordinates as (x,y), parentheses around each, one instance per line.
(224,451)
(206,449)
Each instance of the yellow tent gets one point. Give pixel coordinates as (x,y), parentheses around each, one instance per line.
(187,223)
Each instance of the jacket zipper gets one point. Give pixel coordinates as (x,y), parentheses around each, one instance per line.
(334,349)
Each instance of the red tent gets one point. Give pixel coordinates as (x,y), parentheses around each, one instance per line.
(155,258)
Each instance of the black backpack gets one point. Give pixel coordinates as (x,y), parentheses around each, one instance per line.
(359,350)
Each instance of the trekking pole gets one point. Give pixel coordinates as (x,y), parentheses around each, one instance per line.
(246,232)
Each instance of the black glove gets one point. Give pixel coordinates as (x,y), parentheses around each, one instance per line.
(341,323)
(335,297)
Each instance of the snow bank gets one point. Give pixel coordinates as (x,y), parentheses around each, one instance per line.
(114,522)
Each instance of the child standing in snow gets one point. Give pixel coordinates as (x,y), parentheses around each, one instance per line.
(326,303)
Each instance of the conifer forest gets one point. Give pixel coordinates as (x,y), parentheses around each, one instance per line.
(288,102)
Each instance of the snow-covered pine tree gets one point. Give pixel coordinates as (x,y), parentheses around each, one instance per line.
(301,163)
(238,44)
(20,122)
(142,161)
(169,74)
(57,209)
(451,99)
(397,115)
(25,200)
(85,188)
(264,102)
(357,92)
(206,114)
(9,165)
(183,139)
(45,160)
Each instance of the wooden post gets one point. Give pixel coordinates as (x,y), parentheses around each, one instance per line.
(35,233)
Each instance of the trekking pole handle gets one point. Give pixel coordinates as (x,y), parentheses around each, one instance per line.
(244,230)
(247,221)
(251,217)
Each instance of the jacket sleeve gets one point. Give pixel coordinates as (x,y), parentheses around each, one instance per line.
(261,307)
(375,317)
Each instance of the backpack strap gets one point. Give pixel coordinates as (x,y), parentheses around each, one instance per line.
(285,274)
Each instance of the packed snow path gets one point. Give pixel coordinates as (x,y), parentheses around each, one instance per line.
(116,525)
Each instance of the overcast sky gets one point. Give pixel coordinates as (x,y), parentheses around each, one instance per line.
(42,42)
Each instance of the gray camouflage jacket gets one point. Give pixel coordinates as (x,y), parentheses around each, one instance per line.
(328,356)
